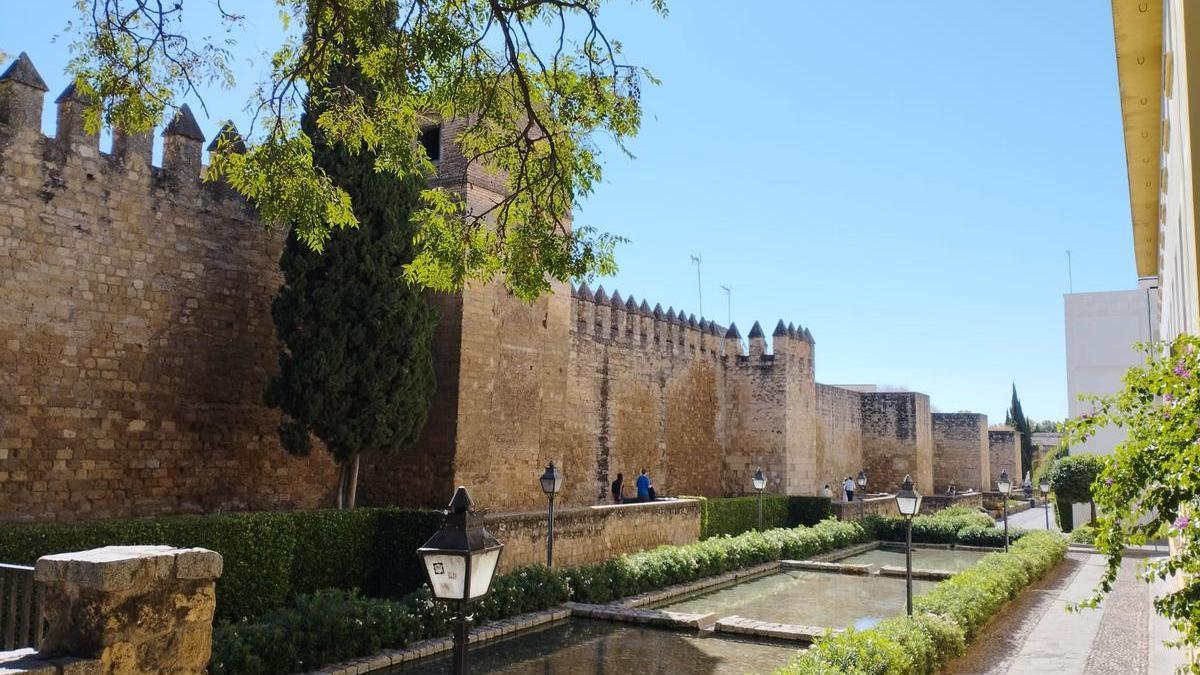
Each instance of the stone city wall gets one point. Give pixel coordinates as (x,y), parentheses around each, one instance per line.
(591,534)
(138,339)
(1004,454)
(136,335)
(839,451)
(960,451)
(897,440)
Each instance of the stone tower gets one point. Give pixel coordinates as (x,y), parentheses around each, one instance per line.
(501,375)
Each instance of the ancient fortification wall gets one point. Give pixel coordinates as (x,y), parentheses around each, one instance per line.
(137,340)
(960,451)
(839,450)
(897,440)
(1004,454)
(136,333)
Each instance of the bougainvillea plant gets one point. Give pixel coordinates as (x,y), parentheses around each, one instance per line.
(1149,486)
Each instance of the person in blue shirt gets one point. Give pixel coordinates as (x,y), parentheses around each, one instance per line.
(643,487)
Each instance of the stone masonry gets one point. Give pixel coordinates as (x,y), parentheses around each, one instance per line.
(1004,454)
(960,451)
(138,339)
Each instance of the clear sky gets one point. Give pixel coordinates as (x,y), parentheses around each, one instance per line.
(901,178)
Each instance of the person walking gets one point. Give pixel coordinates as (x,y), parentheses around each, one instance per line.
(643,487)
(848,486)
(826,491)
(618,489)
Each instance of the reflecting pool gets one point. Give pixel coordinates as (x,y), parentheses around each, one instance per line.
(821,599)
(582,647)
(923,558)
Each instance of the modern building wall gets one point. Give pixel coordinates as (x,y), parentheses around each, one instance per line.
(1101,331)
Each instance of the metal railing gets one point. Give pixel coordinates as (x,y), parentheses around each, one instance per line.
(21,600)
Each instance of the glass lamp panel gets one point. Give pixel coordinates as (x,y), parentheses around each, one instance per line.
(483,566)
(908,505)
(447,575)
(1004,488)
(759,483)
(1045,487)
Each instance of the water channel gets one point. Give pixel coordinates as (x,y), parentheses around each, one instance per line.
(923,558)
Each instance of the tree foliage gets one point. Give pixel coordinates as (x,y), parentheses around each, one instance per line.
(537,81)
(1015,418)
(356,367)
(1071,477)
(1149,487)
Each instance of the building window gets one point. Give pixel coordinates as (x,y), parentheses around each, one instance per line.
(431,140)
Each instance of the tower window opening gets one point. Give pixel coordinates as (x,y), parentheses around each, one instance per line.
(431,140)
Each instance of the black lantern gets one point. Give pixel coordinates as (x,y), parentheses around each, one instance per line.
(551,481)
(460,560)
(1004,485)
(908,503)
(760,482)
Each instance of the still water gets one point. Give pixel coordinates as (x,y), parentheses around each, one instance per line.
(820,599)
(923,558)
(582,647)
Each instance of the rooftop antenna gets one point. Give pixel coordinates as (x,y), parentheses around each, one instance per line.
(728,304)
(699,286)
(1070,277)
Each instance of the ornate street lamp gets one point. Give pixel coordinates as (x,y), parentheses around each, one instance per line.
(862,493)
(551,482)
(760,482)
(1044,487)
(1005,487)
(908,503)
(460,560)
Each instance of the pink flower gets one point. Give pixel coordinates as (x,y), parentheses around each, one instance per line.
(1167,398)
(1182,371)
(1182,522)
(1108,481)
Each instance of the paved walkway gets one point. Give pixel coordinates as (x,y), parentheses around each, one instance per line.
(1037,635)
(1033,519)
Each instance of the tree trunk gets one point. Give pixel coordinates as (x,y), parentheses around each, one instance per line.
(352,483)
(341,488)
(1093,505)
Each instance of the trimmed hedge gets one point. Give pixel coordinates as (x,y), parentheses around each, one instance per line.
(942,527)
(729,516)
(336,625)
(269,557)
(945,618)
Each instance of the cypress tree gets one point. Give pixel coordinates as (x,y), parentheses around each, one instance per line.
(1016,418)
(355,366)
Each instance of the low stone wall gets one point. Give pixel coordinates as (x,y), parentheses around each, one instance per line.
(879,505)
(592,534)
(935,503)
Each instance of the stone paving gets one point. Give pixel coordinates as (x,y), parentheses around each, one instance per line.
(1037,635)
(1033,519)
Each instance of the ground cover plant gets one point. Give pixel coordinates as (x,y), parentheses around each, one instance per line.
(944,620)
(955,525)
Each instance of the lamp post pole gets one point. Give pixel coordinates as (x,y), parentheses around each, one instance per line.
(908,560)
(862,494)
(460,636)
(1005,486)
(760,482)
(1045,490)
(908,503)
(551,482)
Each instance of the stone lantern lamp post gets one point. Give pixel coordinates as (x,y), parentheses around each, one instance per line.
(760,482)
(1004,485)
(551,481)
(908,503)
(460,560)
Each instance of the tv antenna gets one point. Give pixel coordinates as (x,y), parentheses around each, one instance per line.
(699,285)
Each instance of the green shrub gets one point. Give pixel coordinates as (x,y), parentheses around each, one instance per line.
(1085,534)
(944,618)
(942,527)
(269,557)
(974,535)
(1064,511)
(721,516)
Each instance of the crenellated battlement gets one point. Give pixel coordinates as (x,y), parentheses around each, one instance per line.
(623,321)
(71,153)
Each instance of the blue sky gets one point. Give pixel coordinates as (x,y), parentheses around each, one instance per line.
(902,178)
